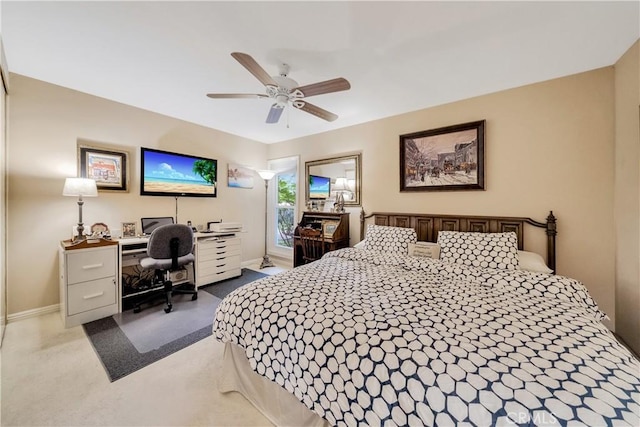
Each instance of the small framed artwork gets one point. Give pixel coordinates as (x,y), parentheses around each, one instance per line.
(240,176)
(129,229)
(329,227)
(108,167)
(444,159)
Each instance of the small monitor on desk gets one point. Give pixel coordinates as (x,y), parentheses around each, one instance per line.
(150,224)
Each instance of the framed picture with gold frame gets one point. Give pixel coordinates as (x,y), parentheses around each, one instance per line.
(328,228)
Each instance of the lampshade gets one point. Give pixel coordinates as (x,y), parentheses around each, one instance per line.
(266,174)
(84,187)
(341,184)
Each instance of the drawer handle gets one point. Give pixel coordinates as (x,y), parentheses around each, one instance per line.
(220,253)
(90,266)
(99,294)
(221,265)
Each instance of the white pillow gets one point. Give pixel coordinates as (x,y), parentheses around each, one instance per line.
(531,261)
(389,239)
(360,245)
(424,249)
(484,250)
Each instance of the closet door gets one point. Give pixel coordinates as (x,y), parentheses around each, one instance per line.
(4,84)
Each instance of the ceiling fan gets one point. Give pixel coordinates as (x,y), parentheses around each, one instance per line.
(285,90)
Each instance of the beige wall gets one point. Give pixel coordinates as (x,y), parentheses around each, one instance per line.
(45,123)
(549,146)
(627,196)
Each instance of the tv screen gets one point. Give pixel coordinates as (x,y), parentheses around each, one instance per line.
(319,187)
(171,174)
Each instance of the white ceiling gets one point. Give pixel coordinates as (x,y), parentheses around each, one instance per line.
(398,56)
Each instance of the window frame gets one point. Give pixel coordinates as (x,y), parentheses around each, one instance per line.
(284,165)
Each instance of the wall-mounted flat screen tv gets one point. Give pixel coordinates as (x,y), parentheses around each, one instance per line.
(164,173)
(319,187)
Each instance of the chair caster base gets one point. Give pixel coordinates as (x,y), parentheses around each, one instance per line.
(137,309)
(194,297)
(168,308)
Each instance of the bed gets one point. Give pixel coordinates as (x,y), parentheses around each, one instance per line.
(374,336)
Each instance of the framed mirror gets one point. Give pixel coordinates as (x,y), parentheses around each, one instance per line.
(324,178)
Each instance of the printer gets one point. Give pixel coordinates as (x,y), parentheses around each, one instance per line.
(225,227)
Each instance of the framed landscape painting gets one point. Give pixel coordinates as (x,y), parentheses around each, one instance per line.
(443,159)
(108,167)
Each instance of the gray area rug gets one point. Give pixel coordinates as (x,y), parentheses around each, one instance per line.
(126,342)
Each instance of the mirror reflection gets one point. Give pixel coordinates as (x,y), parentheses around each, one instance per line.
(328,178)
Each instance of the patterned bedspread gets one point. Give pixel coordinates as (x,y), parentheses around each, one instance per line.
(368,338)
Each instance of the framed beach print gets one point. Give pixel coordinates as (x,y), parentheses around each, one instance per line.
(443,159)
(108,167)
(239,176)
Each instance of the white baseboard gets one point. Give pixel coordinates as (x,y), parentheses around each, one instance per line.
(279,261)
(33,313)
(251,262)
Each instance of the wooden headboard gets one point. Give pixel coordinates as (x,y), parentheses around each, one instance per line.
(428,225)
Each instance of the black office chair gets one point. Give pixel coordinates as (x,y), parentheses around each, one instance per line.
(170,247)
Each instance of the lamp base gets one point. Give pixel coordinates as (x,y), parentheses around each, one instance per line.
(80,236)
(79,239)
(266,262)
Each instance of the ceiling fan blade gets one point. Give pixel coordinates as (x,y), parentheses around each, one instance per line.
(315,110)
(274,113)
(236,95)
(334,85)
(252,66)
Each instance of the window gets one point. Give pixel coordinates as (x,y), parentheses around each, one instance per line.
(285,209)
(281,206)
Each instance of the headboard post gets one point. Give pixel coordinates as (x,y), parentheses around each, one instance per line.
(551,241)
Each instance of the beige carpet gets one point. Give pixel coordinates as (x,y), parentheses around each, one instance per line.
(51,376)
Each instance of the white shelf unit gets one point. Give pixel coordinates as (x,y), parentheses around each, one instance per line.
(217,258)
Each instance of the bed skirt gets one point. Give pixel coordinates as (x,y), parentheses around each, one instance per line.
(274,402)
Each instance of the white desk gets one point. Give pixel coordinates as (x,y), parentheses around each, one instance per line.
(217,257)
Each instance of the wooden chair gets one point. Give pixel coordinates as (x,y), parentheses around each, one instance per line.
(312,244)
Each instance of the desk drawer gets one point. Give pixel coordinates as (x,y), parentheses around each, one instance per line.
(83,266)
(218,265)
(216,277)
(213,242)
(208,254)
(91,295)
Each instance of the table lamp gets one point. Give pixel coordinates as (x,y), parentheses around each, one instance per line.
(341,187)
(80,187)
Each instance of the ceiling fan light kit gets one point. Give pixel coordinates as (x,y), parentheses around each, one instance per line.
(284,90)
